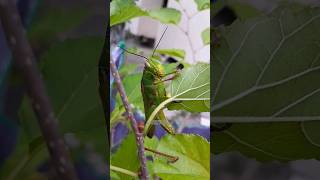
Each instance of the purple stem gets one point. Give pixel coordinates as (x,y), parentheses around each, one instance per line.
(134,125)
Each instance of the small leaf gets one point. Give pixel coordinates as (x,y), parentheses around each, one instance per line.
(202,4)
(206,36)
(124,10)
(180,53)
(194,157)
(166,15)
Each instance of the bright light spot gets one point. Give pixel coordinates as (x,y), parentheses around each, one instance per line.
(205,121)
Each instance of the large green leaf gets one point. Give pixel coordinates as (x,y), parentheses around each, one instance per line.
(243,10)
(124,10)
(194,157)
(70,73)
(51,22)
(267,70)
(191,90)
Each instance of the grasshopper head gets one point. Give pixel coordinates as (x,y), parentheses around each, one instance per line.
(155,67)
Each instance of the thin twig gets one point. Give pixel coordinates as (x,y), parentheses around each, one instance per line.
(134,125)
(26,64)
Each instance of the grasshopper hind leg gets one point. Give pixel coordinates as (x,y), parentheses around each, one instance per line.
(165,124)
(151,131)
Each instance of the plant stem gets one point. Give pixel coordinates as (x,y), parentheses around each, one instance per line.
(124,171)
(25,62)
(134,125)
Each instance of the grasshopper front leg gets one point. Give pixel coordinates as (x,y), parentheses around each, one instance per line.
(176,74)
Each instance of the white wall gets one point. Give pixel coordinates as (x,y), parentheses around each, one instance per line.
(192,21)
(146,26)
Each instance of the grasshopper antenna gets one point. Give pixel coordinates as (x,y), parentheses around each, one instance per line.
(154,50)
(133,53)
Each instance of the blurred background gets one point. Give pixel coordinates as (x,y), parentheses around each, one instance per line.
(235,166)
(67,38)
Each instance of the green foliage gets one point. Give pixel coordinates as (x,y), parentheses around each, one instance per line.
(124,10)
(166,15)
(191,89)
(151,143)
(114,176)
(25,158)
(194,157)
(242,10)
(179,53)
(132,87)
(202,4)
(70,76)
(193,162)
(126,156)
(274,60)
(53,21)
(205,35)
(128,69)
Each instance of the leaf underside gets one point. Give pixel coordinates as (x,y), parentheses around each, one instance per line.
(265,70)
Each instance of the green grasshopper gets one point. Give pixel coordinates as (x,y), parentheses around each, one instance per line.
(154,92)
(153,89)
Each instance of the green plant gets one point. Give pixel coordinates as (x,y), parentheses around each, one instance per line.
(191,89)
